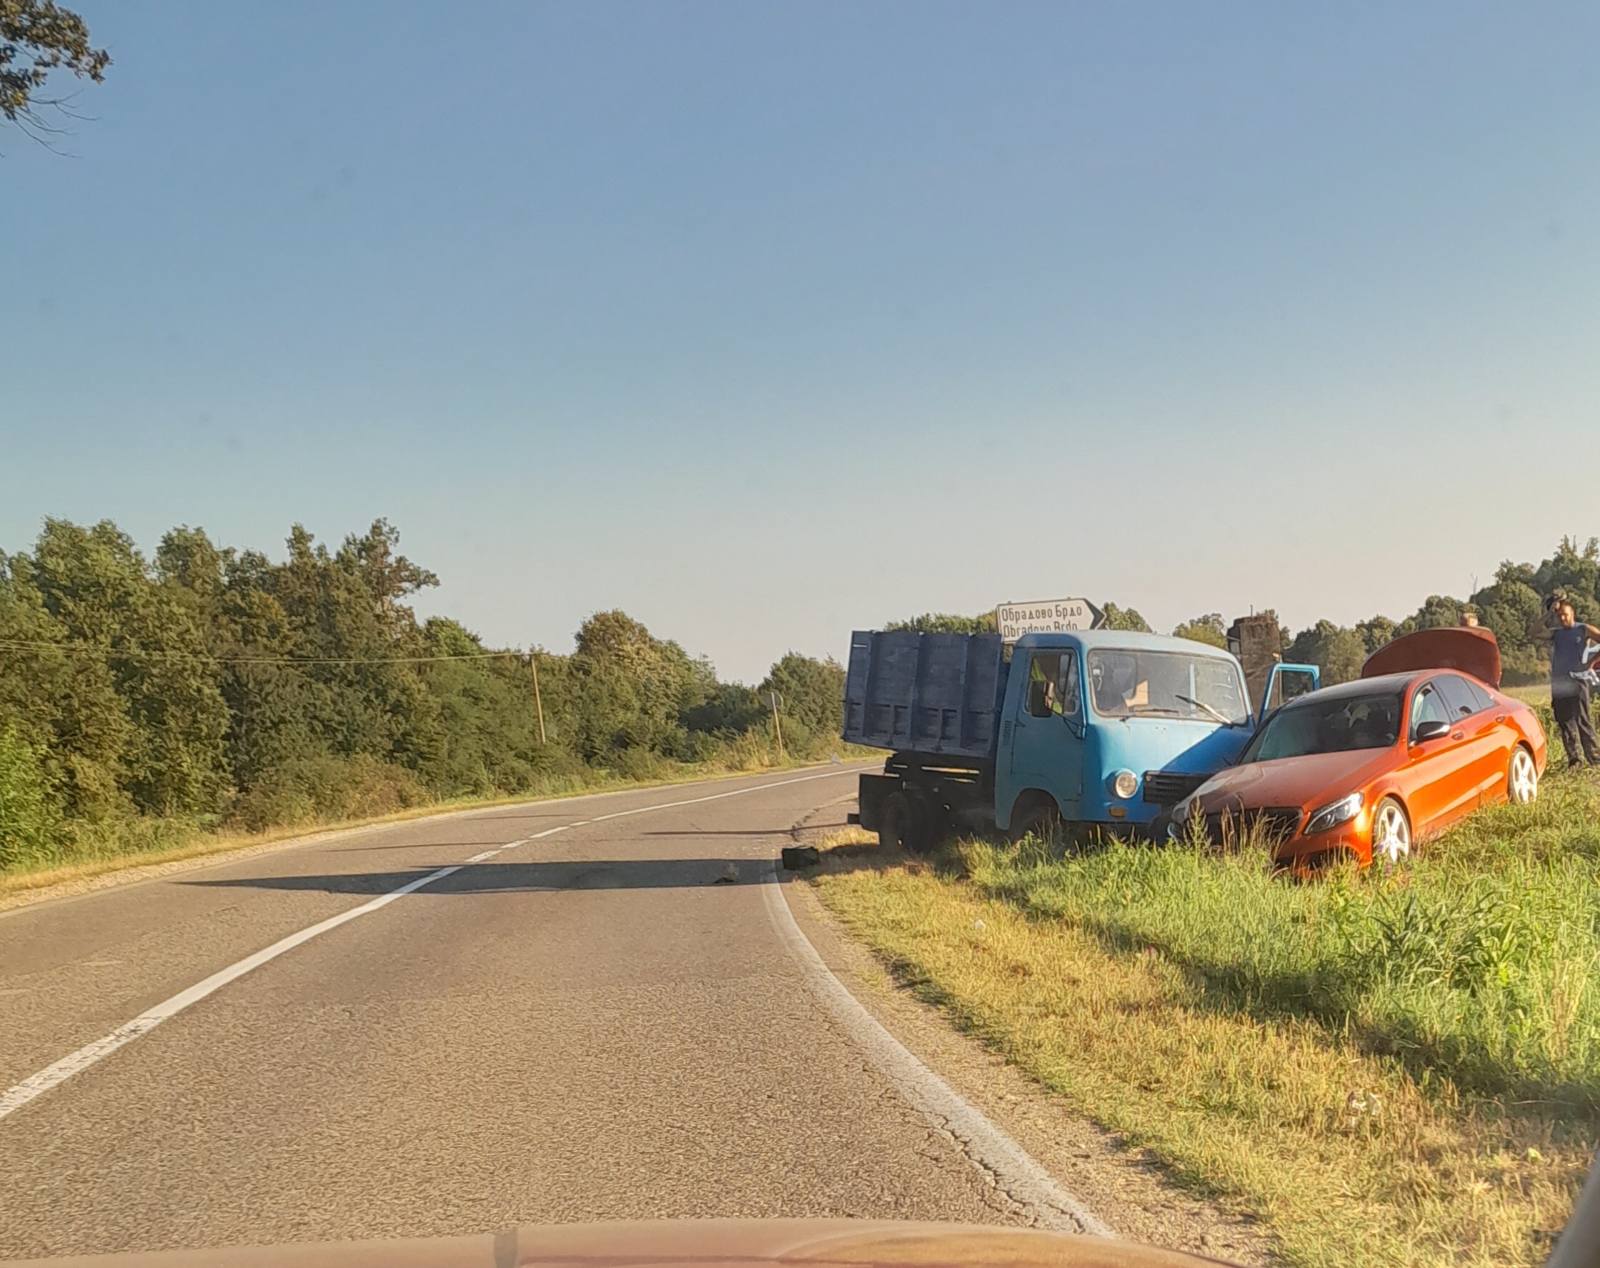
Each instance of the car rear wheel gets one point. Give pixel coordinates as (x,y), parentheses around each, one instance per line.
(1522,780)
(1391,832)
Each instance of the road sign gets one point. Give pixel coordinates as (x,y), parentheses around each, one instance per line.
(1046,616)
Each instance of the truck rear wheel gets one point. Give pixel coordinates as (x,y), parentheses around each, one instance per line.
(905,824)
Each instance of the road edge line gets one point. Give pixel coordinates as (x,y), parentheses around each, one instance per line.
(986,1145)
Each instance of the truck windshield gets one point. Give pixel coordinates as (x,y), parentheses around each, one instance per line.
(1336,725)
(1130,684)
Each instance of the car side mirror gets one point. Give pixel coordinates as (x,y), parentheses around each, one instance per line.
(1431,730)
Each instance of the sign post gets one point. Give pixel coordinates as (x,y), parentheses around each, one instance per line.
(538,704)
(1046,616)
(777,726)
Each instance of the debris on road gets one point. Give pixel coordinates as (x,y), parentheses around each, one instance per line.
(797,856)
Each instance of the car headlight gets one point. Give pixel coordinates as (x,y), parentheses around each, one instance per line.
(1334,813)
(1125,783)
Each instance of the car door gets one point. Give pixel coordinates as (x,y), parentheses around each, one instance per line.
(1488,737)
(1439,775)
(1046,740)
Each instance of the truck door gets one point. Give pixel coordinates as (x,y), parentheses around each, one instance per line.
(1284,683)
(1047,732)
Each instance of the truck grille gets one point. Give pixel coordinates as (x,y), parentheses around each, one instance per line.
(1271,826)
(1168,787)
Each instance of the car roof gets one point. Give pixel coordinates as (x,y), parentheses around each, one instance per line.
(1123,641)
(1381,685)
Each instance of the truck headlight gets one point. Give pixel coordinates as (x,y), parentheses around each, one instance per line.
(1335,813)
(1125,783)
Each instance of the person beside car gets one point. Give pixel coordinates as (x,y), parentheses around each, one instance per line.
(1570,698)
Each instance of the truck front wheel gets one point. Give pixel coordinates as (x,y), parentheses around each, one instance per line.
(1038,817)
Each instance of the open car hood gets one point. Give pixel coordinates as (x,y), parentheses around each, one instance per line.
(1468,648)
(825,1243)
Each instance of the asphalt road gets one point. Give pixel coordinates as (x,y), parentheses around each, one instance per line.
(586,1026)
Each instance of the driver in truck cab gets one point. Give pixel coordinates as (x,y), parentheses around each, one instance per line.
(1043,690)
(1115,687)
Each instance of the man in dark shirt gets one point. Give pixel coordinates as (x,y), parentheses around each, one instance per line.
(1569,691)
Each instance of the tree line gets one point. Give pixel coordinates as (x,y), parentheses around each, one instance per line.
(1511,605)
(213,685)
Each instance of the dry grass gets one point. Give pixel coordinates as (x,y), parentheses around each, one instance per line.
(1356,1151)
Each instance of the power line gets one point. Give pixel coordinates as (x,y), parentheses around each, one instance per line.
(142,653)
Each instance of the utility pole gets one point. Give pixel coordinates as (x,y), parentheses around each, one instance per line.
(533,659)
(777,726)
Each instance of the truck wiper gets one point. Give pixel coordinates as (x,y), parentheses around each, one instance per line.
(1201,704)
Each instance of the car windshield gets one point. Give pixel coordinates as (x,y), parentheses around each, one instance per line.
(1335,724)
(1127,684)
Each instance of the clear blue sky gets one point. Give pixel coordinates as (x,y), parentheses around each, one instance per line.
(764,321)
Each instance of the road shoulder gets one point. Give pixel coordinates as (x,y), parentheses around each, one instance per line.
(1122,1185)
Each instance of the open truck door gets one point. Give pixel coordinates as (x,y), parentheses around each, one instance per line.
(1284,684)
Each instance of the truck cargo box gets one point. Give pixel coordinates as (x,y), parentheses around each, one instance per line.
(938,694)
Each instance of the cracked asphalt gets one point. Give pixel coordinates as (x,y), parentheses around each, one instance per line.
(603,1024)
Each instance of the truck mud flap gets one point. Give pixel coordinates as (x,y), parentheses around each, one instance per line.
(870,796)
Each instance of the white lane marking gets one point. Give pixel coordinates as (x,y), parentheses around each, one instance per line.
(15,1097)
(984,1143)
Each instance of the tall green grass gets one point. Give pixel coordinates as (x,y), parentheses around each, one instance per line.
(1471,963)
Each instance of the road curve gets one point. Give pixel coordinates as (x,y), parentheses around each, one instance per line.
(605,1021)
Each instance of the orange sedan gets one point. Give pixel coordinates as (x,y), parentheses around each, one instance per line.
(1366,769)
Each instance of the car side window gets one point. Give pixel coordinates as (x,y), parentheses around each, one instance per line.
(1453,693)
(1481,694)
(1428,705)
(1044,684)
(1464,696)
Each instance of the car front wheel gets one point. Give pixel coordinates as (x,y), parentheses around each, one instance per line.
(1391,832)
(1522,780)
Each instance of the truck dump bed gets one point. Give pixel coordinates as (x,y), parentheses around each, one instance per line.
(938,694)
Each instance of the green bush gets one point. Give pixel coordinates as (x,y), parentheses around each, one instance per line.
(86,841)
(326,787)
(30,808)
(639,763)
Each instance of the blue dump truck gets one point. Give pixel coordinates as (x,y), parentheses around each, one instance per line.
(1100,728)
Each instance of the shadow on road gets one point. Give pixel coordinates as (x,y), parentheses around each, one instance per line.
(509,878)
(724,832)
(425,845)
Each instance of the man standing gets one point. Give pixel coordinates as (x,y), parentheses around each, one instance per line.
(1569,688)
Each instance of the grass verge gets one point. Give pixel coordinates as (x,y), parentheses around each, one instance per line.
(1393,1067)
